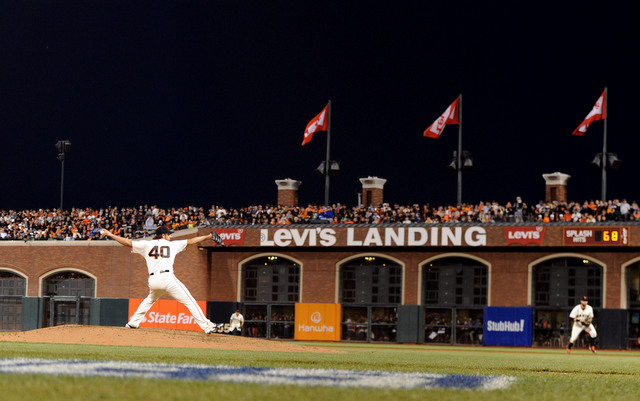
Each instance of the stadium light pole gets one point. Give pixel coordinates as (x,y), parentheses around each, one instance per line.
(462,160)
(603,194)
(327,165)
(459,161)
(601,159)
(63,146)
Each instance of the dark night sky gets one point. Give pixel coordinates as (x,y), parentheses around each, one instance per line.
(201,103)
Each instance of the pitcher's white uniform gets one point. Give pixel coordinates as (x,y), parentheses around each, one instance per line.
(580,315)
(159,255)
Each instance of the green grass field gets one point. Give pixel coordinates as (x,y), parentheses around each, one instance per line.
(540,374)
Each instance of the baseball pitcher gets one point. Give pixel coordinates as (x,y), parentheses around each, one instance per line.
(160,254)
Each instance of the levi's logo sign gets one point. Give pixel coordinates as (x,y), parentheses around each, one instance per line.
(524,235)
(231,236)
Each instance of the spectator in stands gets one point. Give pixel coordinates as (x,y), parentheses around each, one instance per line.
(82,224)
(624,208)
(518,210)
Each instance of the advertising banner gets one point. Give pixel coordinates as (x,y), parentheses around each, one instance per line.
(231,236)
(512,326)
(524,235)
(596,236)
(318,322)
(374,236)
(168,314)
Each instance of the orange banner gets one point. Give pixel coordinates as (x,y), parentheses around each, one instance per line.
(168,314)
(319,322)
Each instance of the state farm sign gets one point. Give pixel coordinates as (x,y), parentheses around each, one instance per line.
(168,314)
(524,235)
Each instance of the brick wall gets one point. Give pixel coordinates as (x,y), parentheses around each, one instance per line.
(211,273)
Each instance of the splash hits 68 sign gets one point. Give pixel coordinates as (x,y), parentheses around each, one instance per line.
(596,236)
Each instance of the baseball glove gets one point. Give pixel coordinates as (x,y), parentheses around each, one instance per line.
(216,238)
(586,322)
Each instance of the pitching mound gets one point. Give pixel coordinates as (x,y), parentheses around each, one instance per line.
(101,335)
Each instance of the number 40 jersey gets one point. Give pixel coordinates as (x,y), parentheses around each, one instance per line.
(159,254)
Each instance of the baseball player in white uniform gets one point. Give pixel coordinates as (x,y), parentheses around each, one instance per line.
(582,316)
(160,254)
(236,321)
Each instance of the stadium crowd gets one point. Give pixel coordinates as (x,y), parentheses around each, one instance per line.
(85,224)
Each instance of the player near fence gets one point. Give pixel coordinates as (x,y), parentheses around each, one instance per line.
(159,255)
(582,315)
(236,322)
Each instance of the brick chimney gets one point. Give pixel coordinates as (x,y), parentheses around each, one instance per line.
(288,192)
(556,188)
(372,190)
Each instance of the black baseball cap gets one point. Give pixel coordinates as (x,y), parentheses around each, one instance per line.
(163,230)
(584,298)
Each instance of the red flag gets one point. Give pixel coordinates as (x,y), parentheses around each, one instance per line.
(597,113)
(450,116)
(318,123)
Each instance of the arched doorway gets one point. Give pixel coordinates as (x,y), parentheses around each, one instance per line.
(633,303)
(455,290)
(370,291)
(557,285)
(270,287)
(69,294)
(12,288)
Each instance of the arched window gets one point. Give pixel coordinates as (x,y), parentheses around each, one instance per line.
(561,282)
(12,284)
(454,281)
(370,280)
(69,283)
(270,279)
(12,289)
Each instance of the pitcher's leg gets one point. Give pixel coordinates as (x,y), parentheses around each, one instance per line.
(180,293)
(144,307)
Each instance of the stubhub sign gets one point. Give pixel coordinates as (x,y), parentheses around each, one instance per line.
(508,326)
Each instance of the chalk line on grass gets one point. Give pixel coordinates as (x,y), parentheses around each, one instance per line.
(243,374)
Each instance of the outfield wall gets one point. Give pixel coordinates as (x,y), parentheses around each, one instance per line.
(509,253)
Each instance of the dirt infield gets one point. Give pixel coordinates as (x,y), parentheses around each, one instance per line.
(101,335)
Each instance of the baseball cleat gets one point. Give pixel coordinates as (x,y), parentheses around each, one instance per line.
(214,327)
(130,326)
(593,349)
(568,350)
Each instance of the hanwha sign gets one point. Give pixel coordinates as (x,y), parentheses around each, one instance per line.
(316,317)
(317,322)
